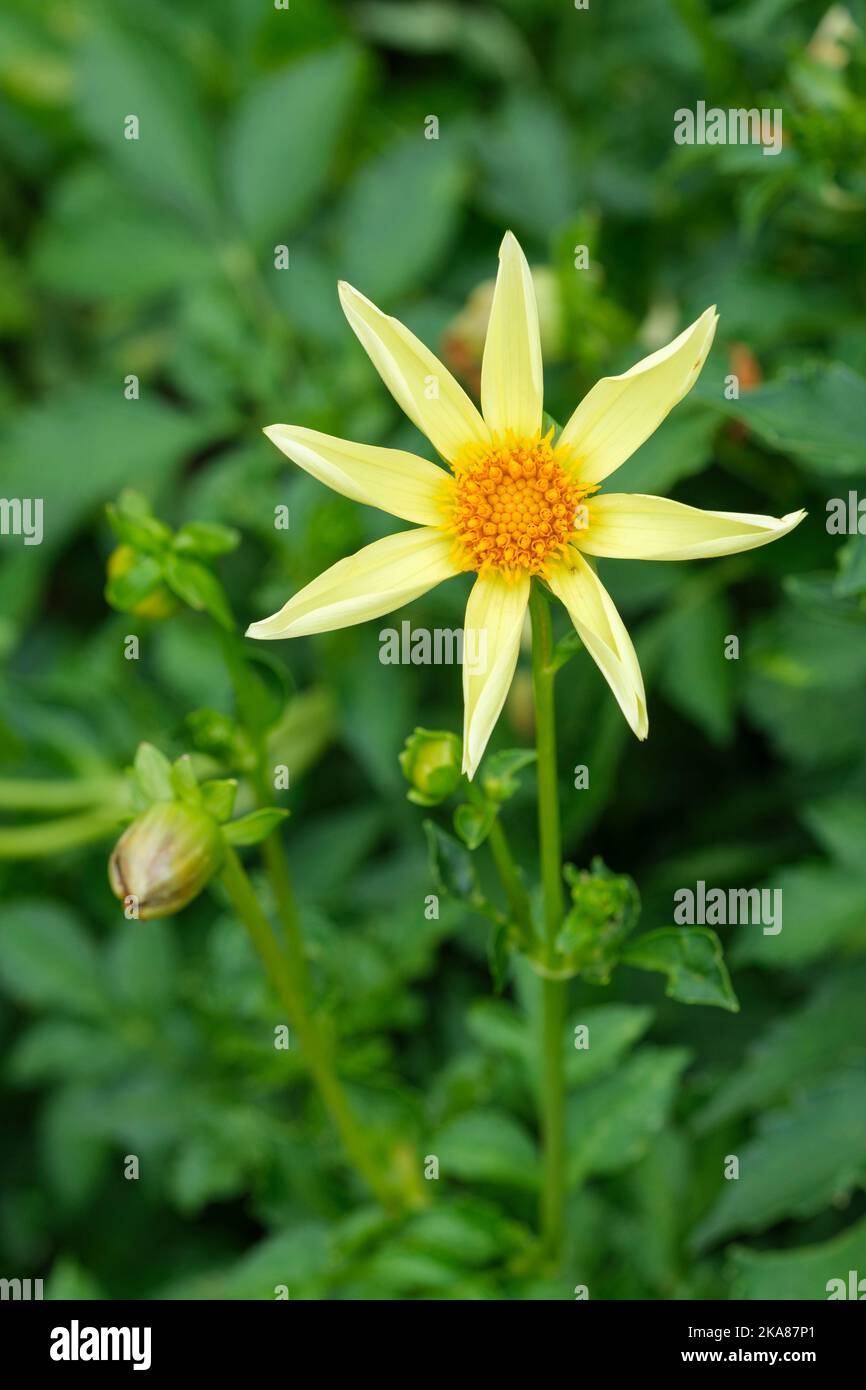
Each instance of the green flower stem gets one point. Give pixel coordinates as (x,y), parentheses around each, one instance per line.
(43,839)
(518,899)
(273,852)
(68,794)
(553,992)
(506,868)
(283,976)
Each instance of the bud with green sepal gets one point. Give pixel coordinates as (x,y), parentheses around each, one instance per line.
(175,845)
(431,761)
(153,567)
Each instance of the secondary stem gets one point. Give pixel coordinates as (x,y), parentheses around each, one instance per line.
(553,992)
(283,973)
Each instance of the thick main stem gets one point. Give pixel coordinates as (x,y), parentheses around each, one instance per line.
(553,992)
(282,971)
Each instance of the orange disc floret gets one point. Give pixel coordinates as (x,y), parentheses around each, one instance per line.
(515,505)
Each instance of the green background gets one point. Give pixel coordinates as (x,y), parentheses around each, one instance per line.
(155,258)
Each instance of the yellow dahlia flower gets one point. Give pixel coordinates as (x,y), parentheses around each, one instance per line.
(514,505)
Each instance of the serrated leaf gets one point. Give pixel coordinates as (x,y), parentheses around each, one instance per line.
(693,961)
(487,1146)
(400,213)
(611,1029)
(827,1032)
(610,1124)
(803,1272)
(284,138)
(800,1161)
(47,961)
(816,415)
(839,823)
(822,909)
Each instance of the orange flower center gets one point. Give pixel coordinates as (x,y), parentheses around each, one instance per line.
(515,504)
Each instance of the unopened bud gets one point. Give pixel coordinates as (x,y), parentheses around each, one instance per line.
(160,602)
(431,760)
(165,858)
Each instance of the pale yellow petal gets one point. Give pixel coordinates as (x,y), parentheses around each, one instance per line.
(376,580)
(632,526)
(603,633)
(419,383)
(491,641)
(512,381)
(620,412)
(391,479)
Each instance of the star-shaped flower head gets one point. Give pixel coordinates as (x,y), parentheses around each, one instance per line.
(513,505)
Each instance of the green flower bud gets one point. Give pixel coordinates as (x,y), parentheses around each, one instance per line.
(431,762)
(164,858)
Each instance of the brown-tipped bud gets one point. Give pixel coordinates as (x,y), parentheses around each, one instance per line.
(164,859)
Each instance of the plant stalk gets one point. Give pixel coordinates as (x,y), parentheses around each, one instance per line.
(553,992)
(283,974)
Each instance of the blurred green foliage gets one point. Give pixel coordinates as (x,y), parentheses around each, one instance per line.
(155,259)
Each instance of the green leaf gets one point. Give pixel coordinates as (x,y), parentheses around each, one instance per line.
(198,587)
(153,773)
(610,1124)
(218,797)
(497,1026)
(125,591)
(120,75)
(474,823)
(517,188)
(499,778)
(851,579)
(826,1033)
(839,823)
(206,539)
(816,415)
(257,826)
(804,1272)
(297,1259)
(143,968)
(184,781)
(695,675)
(693,961)
(611,1029)
(132,521)
(62,1049)
(284,139)
(567,647)
(120,439)
(825,1132)
(47,961)
(487,1146)
(103,243)
(498,952)
(822,908)
(450,863)
(681,447)
(465,1230)
(400,214)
